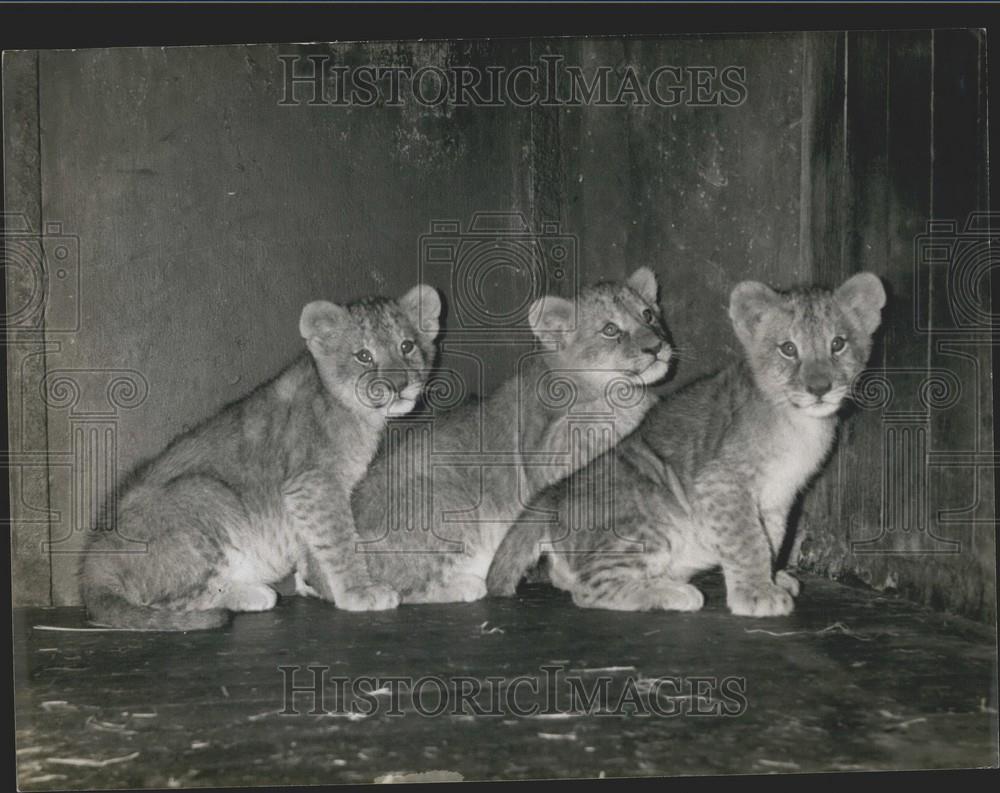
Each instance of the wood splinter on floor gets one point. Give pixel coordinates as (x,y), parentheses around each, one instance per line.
(483,629)
(94,723)
(86,762)
(837,627)
(38,780)
(596,669)
(778,764)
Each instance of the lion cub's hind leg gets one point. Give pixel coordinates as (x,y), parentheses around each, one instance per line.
(632,594)
(625,585)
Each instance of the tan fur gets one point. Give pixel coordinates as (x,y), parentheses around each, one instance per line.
(710,476)
(262,489)
(490,459)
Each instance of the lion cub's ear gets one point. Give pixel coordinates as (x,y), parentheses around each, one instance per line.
(320,320)
(643,282)
(861,297)
(422,305)
(749,302)
(551,313)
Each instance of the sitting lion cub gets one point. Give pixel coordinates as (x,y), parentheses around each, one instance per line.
(710,476)
(262,489)
(430,524)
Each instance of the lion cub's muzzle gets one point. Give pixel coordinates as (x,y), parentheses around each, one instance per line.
(397,390)
(406,398)
(659,355)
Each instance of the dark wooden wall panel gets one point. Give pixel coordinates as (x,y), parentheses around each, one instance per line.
(824,239)
(592,176)
(706,196)
(23,333)
(726,199)
(961,431)
(906,503)
(220,213)
(851,235)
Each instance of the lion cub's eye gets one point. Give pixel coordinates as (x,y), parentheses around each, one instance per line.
(647,315)
(838,344)
(406,347)
(611,330)
(364,356)
(788,349)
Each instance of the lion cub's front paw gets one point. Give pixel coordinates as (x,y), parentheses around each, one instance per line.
(376,597)
(788,582)
(765,600)
(467,588)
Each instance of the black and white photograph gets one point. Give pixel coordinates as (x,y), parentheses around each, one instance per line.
(435,408)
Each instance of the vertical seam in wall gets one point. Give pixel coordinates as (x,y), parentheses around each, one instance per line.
(806,257)
(983,85)
(532,156)
(845,159)
(930,204)
(846,172)
(887,200)
(983,118)
(842,198)
(627,239)
(44,352)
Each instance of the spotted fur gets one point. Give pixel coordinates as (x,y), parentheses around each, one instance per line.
(709,477)
(262,489)
(489,459)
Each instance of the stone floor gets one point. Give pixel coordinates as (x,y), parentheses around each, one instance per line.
(852,681)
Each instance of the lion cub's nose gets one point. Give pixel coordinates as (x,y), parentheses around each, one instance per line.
(655,349)
(398,378)
(817,386)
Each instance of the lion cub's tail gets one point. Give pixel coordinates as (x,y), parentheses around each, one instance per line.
(109,609)
(520,549)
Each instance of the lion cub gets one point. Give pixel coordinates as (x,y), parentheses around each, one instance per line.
(488,460)
(709,477)
(262,489)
